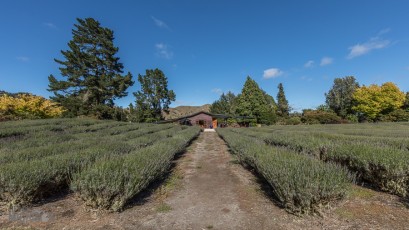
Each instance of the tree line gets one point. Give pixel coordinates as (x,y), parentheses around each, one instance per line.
(345,102)
(92,78)
(253,103)
(353,102)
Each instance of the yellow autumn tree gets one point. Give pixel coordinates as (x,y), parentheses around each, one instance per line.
(374,100)
(27,106)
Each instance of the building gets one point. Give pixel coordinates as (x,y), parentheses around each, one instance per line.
(205,120)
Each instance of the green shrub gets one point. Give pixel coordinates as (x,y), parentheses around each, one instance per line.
(396,115)
(320,117)
(382,161)
(293,121)
(110,184)
(301,184)
(24,182)
(352,118)
(39,158)
(268,118)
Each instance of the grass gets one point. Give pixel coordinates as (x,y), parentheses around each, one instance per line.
(163,207)
(301,184)
(93,158)
(377,153)
(171,183)
(107,163)
(362,193)
(111,184)
(344,213)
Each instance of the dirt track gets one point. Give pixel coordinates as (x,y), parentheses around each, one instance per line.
(209,190)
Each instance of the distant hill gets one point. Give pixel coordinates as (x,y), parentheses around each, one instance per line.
(181,111)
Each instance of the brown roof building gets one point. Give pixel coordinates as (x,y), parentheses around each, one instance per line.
(203,119)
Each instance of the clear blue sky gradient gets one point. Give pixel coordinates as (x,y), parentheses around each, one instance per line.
(208,47)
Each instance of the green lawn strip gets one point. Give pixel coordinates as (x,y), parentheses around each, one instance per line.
(301,184)
(111,184)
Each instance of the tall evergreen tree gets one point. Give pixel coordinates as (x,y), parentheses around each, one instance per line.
(232,103)
(92,71)
(339,98)
(406,103)
(283,109)
(252,102)
(154,96)
(225,105)
(270,100)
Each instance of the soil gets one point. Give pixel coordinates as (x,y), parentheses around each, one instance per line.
(209,189)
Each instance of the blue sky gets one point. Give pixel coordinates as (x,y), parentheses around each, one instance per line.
(209,47)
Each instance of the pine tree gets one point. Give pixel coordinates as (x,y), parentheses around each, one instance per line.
(283,109)
(92,72)
(252,102)
(406,103)
(270,100)
(269,117)
(225,105)
(154,96)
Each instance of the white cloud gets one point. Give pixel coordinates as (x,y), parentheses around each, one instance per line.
(23,58)
(364,48)
(326,61)
(372,44)
(50,25)
(384,31)
(309,64)
(217,91)
(160,23)
(162,50)
(272,73)
(305,78)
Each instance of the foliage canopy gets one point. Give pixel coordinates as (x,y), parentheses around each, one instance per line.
(339,97)
(154,96)
(253,102)
(283,109)
(373,101)
(92,72)
(226,104)
(28,106)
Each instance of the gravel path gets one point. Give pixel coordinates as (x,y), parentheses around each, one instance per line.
(215,193)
